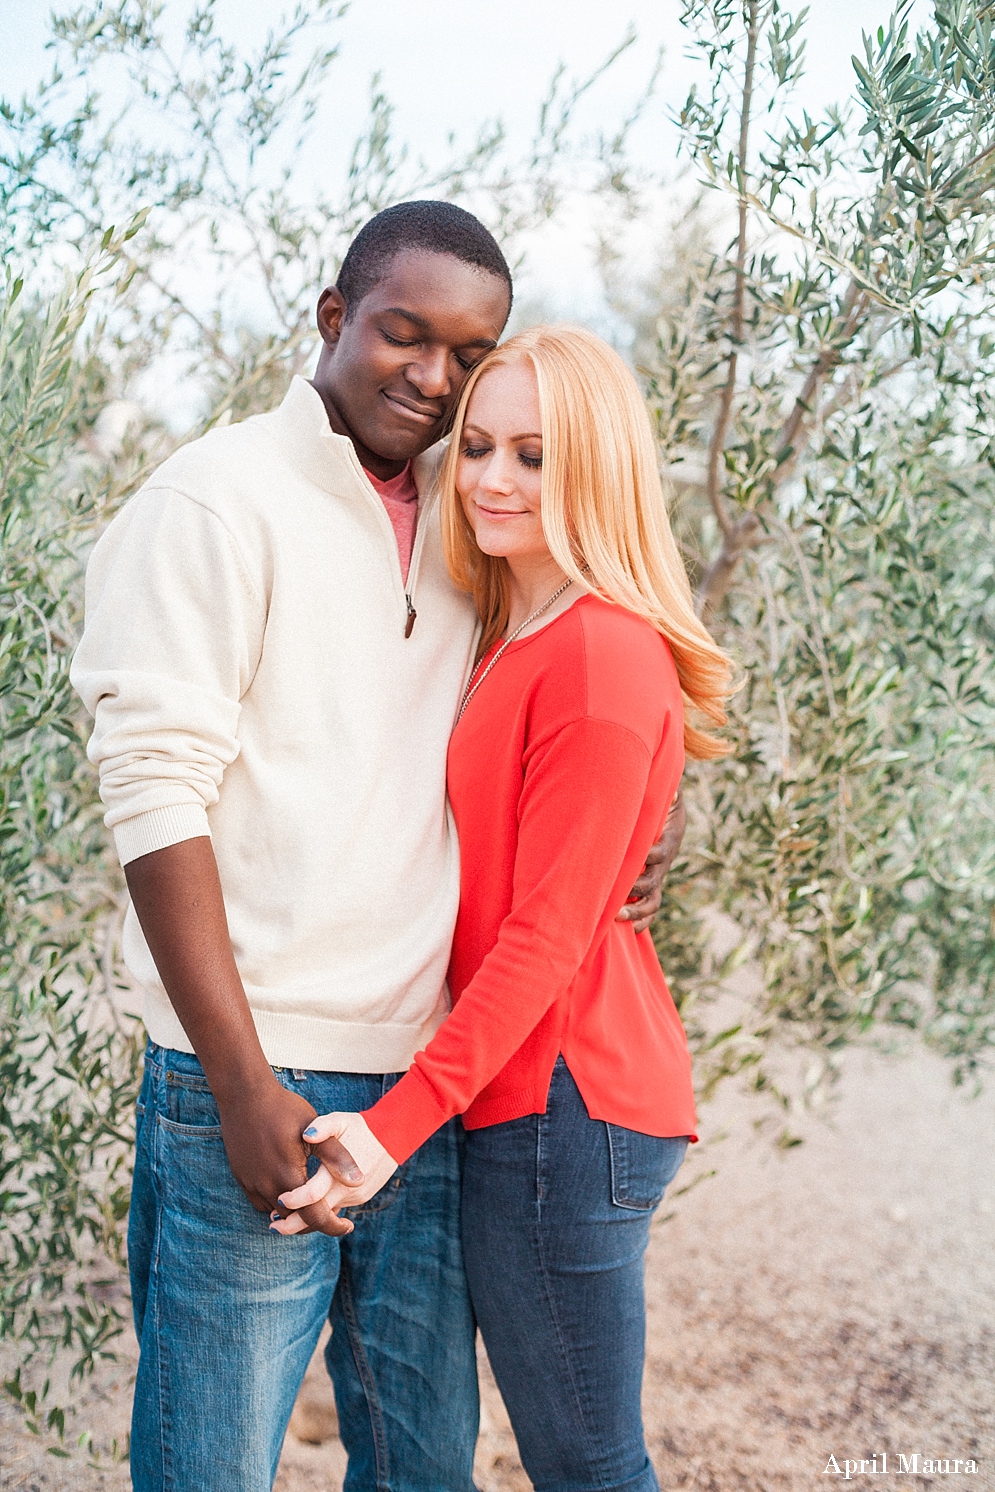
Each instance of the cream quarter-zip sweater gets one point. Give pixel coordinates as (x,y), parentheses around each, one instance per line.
(245,661)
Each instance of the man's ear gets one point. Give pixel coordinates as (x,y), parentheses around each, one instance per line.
(331,314)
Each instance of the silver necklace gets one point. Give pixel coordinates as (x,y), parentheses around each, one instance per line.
(472,687)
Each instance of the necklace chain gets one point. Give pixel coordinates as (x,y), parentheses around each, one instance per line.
(472,686)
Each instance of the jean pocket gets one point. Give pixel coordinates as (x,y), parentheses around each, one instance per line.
(190,1107)
(384,1198)
(642,1166)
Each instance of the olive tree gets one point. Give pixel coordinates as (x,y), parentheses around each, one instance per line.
(68,1060)
(823,393)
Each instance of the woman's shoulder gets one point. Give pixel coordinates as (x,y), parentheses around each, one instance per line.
(629,670)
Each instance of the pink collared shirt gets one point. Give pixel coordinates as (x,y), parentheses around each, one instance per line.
(399,496)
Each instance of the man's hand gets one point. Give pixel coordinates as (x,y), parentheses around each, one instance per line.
(647,894)
(177,895)
(262,1135)
(314,1205)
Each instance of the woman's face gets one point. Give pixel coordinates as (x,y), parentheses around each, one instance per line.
(499,474)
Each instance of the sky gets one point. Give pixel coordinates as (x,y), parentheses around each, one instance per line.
(448,65)
(452,62)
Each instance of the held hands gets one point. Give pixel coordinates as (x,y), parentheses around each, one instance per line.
(354,1164)
(261,1129)
(647,894)
(314,1205)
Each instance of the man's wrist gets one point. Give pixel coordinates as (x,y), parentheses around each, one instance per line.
(241,1084)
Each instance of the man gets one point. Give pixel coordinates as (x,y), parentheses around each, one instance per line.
(274,656)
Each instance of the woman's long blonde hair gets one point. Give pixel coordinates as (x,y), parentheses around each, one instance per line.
(603,510)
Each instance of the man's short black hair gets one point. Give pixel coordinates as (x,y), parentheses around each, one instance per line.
(434,227)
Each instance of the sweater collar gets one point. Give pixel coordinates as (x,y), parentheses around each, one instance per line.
(326,458)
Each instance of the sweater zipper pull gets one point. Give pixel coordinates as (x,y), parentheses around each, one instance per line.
(409,625)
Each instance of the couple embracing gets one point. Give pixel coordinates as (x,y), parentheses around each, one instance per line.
(386,732)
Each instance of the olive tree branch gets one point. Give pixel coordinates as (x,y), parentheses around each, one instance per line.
(717,445)
(738,534)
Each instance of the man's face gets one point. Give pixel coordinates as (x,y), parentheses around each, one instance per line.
(391,373)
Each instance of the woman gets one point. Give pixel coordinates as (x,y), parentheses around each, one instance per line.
(564,1052)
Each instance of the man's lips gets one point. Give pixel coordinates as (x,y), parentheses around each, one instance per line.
(420,414)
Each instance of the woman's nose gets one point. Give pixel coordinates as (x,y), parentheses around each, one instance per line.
(497,476)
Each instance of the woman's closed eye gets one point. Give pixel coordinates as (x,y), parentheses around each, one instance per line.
(526,458)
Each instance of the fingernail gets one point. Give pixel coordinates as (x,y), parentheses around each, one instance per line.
(310,1132)
(353,1174)
(274,1217)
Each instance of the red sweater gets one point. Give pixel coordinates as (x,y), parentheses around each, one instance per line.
(561,773)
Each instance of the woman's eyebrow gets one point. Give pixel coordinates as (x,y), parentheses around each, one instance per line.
(531,435)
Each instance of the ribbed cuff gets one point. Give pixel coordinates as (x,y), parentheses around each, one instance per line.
(158,828)
(406,1116)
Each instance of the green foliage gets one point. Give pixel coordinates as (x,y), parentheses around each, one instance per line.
(67,1065)
(823,390)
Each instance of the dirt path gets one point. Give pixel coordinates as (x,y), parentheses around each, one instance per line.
(836,1299)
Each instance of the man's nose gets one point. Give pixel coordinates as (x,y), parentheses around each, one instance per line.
(430,374)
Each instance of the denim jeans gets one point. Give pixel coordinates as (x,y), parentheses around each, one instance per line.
(228,1313)
(556,1218)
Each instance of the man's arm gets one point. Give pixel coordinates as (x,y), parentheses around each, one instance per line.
(177,895)
(174,628)
(647,894)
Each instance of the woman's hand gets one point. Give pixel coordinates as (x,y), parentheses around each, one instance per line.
(322,1194)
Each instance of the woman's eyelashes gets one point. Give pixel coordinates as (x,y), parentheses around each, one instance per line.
(526,459)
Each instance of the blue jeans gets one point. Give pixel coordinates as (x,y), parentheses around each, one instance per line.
(556,1218)
(228,1313)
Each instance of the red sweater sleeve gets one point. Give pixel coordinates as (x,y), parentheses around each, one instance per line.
(580,802)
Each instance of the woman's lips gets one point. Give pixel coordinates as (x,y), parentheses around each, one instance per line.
(500,513)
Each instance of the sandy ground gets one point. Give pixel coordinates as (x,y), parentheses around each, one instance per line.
(834,1299)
